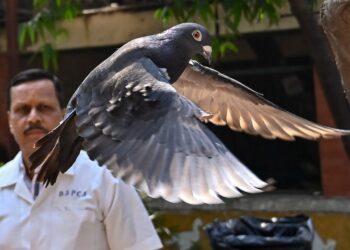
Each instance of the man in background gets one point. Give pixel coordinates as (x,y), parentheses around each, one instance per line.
(87,208)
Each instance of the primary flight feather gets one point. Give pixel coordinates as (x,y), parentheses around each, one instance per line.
(141,114)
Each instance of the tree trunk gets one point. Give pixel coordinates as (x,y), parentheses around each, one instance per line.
(323,60)
(335,18)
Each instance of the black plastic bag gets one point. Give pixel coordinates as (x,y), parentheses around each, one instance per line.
(249,233)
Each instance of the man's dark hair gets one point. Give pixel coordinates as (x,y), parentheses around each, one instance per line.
(32,75)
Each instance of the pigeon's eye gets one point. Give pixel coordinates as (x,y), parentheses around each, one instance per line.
(197,35)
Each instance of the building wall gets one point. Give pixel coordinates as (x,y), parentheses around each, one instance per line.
(335,163)
(330,216)
(331,227)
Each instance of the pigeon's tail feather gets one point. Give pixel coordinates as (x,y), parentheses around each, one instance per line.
(44,146)
(57,151)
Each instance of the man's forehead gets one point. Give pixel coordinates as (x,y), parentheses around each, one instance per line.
(38,89)
(40,83)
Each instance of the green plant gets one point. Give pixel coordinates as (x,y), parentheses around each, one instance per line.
(46,22)
(227,13)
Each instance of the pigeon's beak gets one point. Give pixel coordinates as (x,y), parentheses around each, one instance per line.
(207,50)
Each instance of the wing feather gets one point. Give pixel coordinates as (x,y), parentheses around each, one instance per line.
(153,138)
(243,109)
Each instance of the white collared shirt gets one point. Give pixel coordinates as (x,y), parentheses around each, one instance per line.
(86,209)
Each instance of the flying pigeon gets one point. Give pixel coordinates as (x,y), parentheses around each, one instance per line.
(142,111)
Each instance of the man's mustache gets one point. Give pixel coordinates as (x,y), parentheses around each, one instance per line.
(35,126)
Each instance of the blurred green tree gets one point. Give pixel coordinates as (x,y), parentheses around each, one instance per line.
(48,15)
(45,24)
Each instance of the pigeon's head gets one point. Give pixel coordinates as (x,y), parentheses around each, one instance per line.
(176,46)
(192,38)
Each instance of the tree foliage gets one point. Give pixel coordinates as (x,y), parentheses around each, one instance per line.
(228,13)
(47,17)
(48,14)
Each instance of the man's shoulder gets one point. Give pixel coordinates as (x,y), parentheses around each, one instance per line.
(85,166)
(87,173)
(6,169)
(10,166)
(9,172)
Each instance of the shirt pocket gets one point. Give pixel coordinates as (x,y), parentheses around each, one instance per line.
(75,224)
(77,210)
(81,212)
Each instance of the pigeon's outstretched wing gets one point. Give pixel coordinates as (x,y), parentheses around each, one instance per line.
(137,125)
(242,109)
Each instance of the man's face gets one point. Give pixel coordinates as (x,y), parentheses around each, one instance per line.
(34,111)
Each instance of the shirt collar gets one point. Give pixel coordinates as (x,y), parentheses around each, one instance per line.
(11,172)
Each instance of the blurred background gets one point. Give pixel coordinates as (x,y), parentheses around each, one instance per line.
(276,47)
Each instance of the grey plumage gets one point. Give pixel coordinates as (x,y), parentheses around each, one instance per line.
(140,113)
